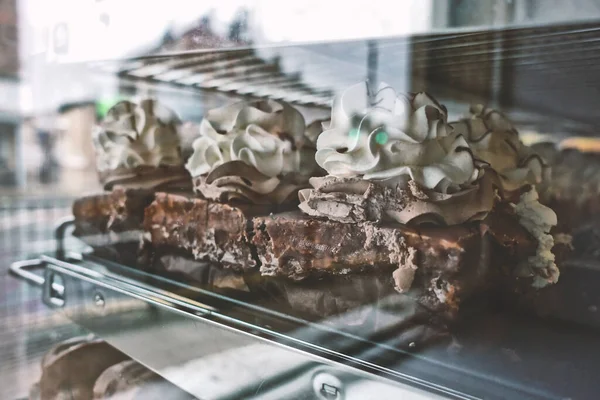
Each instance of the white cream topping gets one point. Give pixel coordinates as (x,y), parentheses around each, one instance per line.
(493,139)
(259,133)
(538,220)
(134,135)
(389,138)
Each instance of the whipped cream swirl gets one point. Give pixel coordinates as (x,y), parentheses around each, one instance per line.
(395,158)
(264,140)
(494,139)
(137,135)
(382,137)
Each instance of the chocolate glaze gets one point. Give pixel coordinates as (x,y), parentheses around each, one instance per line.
(162,177)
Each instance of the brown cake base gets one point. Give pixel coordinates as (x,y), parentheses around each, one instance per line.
(206,230)
(111,223)
(439,266)
(120,210)
(360,304)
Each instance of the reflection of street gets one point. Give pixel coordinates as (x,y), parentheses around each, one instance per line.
(55,154)
(26,225)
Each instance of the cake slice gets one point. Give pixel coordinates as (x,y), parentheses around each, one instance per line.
(203,229)
(448,212)
(250,160)
(137,153)
(517,169)
(440,266)
(573,192)
(111,222)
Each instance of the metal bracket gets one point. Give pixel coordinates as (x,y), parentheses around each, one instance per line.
(22,269)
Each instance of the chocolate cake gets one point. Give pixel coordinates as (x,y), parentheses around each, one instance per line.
(573,193)
(137,153)
(203,229)
(396,168)
(395,203)
(413,205)
(250,160)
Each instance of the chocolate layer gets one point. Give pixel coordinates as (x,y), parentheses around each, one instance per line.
(209,231)
(120,210)
(164,178)
(111,223)
(441,266)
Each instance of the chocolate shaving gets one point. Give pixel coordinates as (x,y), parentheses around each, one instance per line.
(238,181)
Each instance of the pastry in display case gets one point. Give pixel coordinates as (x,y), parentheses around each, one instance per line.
(137,152)
(390,195)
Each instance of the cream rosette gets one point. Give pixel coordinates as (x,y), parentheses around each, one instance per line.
(392,137)
(133,135)
(248,150)
(137,141)
(494,139)
(403,145)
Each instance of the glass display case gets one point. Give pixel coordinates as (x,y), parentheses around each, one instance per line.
(256,199)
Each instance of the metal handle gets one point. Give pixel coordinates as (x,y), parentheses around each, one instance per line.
(59,235)
(21,270)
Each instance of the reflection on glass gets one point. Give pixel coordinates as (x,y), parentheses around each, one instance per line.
(241,171)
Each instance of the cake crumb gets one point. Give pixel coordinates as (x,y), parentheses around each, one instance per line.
(538,220)
(407,267)
(405,257)
(564,239)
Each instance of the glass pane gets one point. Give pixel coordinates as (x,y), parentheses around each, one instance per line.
(404,192)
